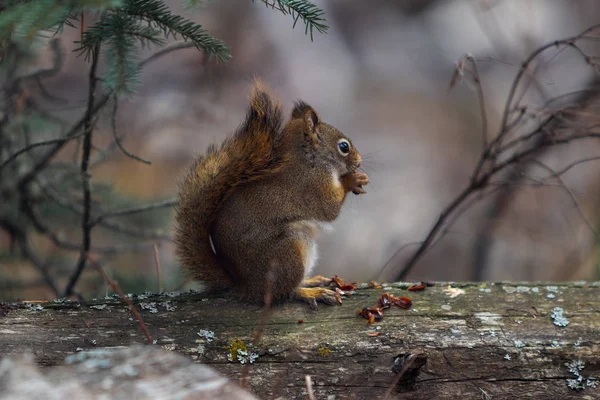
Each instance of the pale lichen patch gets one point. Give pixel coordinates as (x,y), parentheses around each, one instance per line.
(580,382)
(489,318)
(558,317)
(454,292)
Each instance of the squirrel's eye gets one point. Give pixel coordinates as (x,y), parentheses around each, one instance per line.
(344,147)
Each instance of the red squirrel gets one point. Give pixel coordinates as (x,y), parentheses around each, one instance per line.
(250,209)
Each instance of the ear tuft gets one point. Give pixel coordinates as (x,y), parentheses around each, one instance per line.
(308,114)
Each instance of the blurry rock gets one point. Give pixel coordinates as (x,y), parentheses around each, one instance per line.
(129,373)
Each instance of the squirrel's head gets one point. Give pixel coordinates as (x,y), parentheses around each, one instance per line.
(322,142)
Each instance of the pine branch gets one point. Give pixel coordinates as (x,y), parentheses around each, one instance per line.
(157,14)
(24,21)
(119,34)
(310,14)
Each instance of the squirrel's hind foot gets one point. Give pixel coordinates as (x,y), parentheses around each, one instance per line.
(314,295)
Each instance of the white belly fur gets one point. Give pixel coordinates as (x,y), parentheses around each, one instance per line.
(308,231)
(311,257)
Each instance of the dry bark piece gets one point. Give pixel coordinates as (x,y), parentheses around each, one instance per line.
(338,282)
(372,314)
(374,285)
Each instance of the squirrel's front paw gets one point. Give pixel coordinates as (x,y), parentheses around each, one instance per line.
(317,280)
(354,182)
(312,295)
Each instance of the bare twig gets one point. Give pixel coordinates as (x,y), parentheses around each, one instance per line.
(46,94)
(158,274)
(33,169)
(111,225)
(135,210)
(569,192)
(476,186)
(496,157)
(501,204)
(166,50)
(393,257)
(115,287)
(45,230)
(459,71)
(21,237)
(88,129)
(465,194)
(562,171)
(35,145)
(309,388)
(557,43)
(71,133)
(57,61)
(113,123)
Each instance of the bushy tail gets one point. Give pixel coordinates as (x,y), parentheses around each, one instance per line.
(251,153)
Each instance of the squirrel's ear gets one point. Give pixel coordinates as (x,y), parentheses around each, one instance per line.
(308,114)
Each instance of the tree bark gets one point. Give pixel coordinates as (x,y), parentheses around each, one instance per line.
(459,340)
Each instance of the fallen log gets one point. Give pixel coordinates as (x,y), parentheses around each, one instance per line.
(466,340)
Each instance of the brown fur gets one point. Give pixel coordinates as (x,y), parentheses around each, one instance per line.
(260,196)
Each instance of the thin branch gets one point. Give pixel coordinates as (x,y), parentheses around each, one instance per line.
(57,62)
(113,123)
(474,187)
(88,129)
(118,290)
(136,232)
(72,132)
(23,241)
(502,203)
(568,167)
(495,150)
(525,66)
(46,94)
(65,203)
(459,71)
(158,274)
(43,229)
(36,145)
(468,191)
(166,50)
(541,128)
(569,192)
(393,257)
(135,210)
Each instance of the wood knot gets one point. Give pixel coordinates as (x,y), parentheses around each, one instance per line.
(407,366)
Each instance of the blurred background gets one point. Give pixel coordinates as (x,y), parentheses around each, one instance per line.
(381,74)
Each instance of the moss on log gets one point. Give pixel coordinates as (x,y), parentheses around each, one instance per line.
(497,340)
